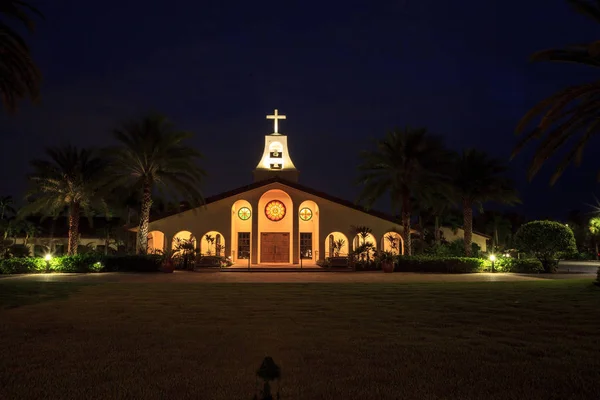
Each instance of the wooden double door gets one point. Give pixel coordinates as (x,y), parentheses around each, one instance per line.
(274,247)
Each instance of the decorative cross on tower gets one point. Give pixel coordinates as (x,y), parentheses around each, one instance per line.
(275,117)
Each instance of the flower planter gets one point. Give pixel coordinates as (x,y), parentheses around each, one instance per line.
(387,266)
(168,267)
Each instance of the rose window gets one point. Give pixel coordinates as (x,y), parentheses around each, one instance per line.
(305,214)
(275,210)
(244,213)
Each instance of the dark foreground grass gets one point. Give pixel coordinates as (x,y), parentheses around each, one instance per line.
(15,294)
(526,340)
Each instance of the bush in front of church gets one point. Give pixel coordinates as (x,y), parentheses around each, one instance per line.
(22,265)
(81,263)
(448,265)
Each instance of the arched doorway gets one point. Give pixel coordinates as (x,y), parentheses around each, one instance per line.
(156,242)
(241,230)
(212,244)
(393,242)
(275,224)
(336,245)
(360,240)
(183,241)
(308,226)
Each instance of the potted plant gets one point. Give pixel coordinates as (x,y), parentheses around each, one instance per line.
(386,258)
(168,263)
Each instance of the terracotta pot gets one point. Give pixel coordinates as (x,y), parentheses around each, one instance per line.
(387,266)
(168,266)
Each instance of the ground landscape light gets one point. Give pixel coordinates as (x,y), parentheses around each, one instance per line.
(492,258)
(48,257)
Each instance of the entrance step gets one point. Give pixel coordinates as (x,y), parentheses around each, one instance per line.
(273,269)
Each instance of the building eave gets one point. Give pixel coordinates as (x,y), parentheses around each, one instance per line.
(293,185)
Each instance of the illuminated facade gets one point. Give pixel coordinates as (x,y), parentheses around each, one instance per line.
(276,220)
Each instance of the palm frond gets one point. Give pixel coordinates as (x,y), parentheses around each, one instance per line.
(19,76)
(405,162)
(152,150)
(589,8)
(569,112)
(480,179)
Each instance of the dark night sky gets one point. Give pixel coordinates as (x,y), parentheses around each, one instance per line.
(342,75)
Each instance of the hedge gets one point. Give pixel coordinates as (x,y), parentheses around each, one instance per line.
(522,266)
(81,263)
(449,265)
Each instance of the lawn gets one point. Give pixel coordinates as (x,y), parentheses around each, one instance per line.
(517,340)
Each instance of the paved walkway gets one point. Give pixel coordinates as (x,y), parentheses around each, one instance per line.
(285,277)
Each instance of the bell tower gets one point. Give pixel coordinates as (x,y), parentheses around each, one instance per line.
(276,160)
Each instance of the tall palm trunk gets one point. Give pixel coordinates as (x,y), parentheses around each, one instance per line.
(73,229)
(468,225)
(142,239)
(51,244)
(437,229)
(406,224)
(106,242)
(496,238)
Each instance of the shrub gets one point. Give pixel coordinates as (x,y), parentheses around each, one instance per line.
(19,250)
(546,240)
(451,265)
(90,262)
(582,256)
(522,266)
(79,263)
(456,248)
(22,265)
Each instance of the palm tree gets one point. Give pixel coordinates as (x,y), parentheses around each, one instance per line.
(479,179)
(438,205)
(6,205)
(571,112)
(594,226)
(19,77)
(30,230)
(406,164)
(152,155)
(498,227)
(72,180)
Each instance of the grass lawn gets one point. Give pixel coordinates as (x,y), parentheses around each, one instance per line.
(518,340)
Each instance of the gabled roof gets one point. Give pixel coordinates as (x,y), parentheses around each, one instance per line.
(297,186)
(293,185)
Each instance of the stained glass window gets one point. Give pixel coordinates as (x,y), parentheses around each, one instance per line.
(275,210)
(244,213)
(305,214)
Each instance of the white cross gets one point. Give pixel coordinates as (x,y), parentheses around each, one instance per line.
(275,117)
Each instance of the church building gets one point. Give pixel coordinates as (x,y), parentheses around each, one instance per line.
(276,220)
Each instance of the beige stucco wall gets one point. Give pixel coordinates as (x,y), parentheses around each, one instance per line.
(217,216)
(460,234)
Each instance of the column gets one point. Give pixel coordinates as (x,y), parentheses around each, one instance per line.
(295,236)
(168,242)
(321,240)
(255,234)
